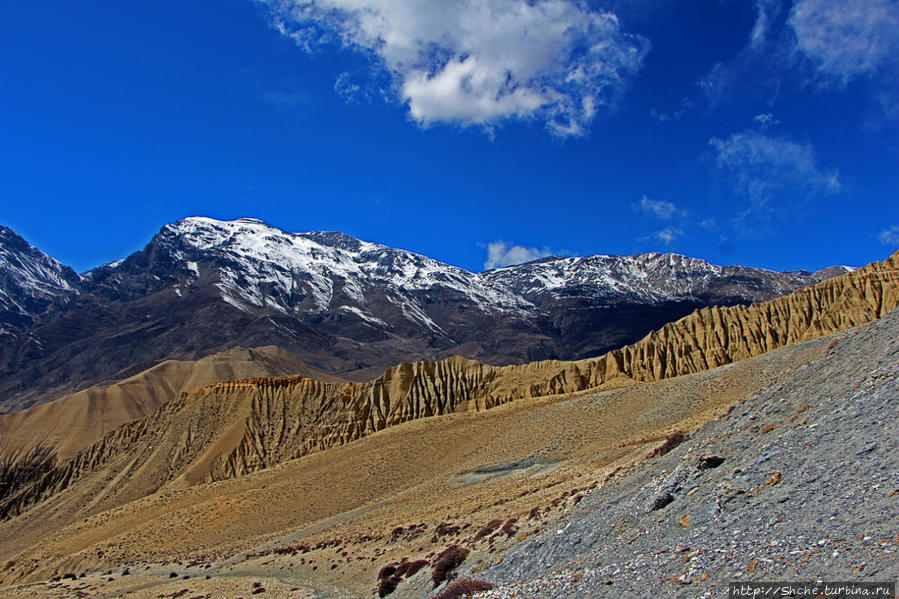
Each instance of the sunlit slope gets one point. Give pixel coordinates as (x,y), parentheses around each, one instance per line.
(71,423)
(360,492)
(232,428)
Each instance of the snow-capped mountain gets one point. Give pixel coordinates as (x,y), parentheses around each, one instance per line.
(260,267)
(644,278)
(354,307)
(30,282)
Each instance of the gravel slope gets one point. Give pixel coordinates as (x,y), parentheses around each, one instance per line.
(808,489)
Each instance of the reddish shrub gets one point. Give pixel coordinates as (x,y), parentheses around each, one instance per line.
(448,560)
(673,440)
(491,526)
(464,587)
(388,585)
(412,568)
(509,527)
(445,529)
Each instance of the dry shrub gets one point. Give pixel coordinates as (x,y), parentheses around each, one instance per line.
(412,568)
(672,441)
(464,587)
(445,529)
(509,527)
(448,560)
(388,570)
(387,585)
(488,529)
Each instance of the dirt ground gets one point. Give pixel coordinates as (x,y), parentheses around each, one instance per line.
(324,525)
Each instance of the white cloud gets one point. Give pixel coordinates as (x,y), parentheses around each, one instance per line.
(890,235)
(668,235)
(502,253)
(760,67)
(776,175)
(680,219)
(814,42)
(847,39)
(765,120)
(657,208)
(479,62)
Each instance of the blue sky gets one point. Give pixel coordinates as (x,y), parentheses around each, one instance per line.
(478,132)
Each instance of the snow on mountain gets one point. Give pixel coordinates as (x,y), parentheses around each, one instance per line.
(257,266)
(645,278)
(347,305)
(261,266)
(832,271)
(30,281)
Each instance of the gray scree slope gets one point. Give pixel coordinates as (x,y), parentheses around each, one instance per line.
(816,497)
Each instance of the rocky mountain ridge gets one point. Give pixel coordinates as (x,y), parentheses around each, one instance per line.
(30,282)
(234,428)
(351,307)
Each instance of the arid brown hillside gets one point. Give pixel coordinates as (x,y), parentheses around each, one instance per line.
(233,428)
(69,424)
(292,416)
(409,490)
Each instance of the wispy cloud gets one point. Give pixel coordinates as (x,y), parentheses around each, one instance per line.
(890,235)
(669,212)
(503,253)
(776,176)
(657,208)
(668,235)
(674,115)
(846,40)
(825,43)
(760,67)
(765,120)
(479,62)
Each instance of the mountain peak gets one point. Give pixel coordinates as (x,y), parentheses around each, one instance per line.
(30,281)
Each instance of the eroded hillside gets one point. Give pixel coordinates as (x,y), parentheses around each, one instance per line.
(69,424)
(234,428)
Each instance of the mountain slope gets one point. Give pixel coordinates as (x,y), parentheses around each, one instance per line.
(354,308)
(69,424)
(803,487)
(326,525)
(30,282)
(595,303)
(234,428)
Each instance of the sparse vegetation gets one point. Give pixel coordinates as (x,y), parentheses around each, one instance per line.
(509,528)
(387,585)
(672,441)
(388,570)
(412,568)
(446,562)
(464,587)
(445,529)
(488,529)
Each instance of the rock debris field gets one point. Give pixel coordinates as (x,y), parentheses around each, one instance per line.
(797,483)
